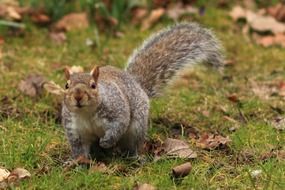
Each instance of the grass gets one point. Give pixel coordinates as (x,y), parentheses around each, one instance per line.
(35,140)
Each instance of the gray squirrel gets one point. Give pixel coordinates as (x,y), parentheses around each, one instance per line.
(110,107)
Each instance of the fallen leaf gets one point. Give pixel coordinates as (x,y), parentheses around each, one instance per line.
(76,69)
(4,173)
(83,160)
(53,88)
(32,85)
(154,16)
(267,41)
(178,149)
(99,167)
(178,9)
(138,14)
(265,24)
(238,13)
(4,129)
(211,141)
(21,173)
(72,21)
(144,186)
(255,173)
(258,22)
(233,98)
(13,14)
(58,37)
(249,4)
(279,123)
(277,11)
(40,18)
(181,170)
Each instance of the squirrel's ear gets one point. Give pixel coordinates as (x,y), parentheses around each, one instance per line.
(67,73)
(95,73)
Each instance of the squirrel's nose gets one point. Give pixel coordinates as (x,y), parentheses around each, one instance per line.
(78,98)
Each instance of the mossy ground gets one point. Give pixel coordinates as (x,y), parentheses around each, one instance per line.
(34,140)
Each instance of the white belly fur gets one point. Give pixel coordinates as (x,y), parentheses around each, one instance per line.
(88,128)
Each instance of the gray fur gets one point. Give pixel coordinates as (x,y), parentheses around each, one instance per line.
(165,53)
(115,113)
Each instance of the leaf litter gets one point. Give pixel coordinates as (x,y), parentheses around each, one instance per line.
(32,85)
(268,30)
(8,178)
(212,141)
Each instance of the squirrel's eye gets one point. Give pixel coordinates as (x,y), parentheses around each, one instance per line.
(93,85)
(66,86)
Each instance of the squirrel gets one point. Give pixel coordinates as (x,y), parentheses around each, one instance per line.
(110,107)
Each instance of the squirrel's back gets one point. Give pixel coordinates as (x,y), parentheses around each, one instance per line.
(159,59)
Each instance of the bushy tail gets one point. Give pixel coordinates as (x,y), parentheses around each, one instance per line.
(165,53)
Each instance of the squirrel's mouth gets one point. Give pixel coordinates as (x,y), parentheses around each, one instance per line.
(78,105)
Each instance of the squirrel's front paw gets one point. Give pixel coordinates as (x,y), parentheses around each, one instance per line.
(106,142)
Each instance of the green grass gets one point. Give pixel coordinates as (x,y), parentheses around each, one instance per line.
(34,140)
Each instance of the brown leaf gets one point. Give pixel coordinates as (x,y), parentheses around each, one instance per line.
(265,24)
(76,69)
(238,13)
(13,14)
(181,170)
(58,37)
(144,186)
(138,14)
(21,173)
(83,160)
(211,141)
(32,85)
(72,21)
(178,9)
(279,123)
(40,18)
(233,98)
(266,41)
(4,173)
(154,16)
(178,149)
(99,167)
(53,88)
(277,11)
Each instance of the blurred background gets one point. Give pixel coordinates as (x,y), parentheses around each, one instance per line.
(245,104)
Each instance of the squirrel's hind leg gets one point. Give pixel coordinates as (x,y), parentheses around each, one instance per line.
(132,141)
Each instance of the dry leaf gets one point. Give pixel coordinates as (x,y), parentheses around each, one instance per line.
(279,124)
(4,129)
(138,14)
(40,18)
(277,11)
(58,37)
(265,24)
(13,14)
(176,11)
(32,85)
(4,173)
(21,173)
(255,173)
(154,16)
(53,88)
(181,170)
(211,141)
(144,186)
(178,148)
(76,69)
(99,167)
(72,21)
(238,13)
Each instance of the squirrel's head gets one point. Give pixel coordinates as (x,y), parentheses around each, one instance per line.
(81,90)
